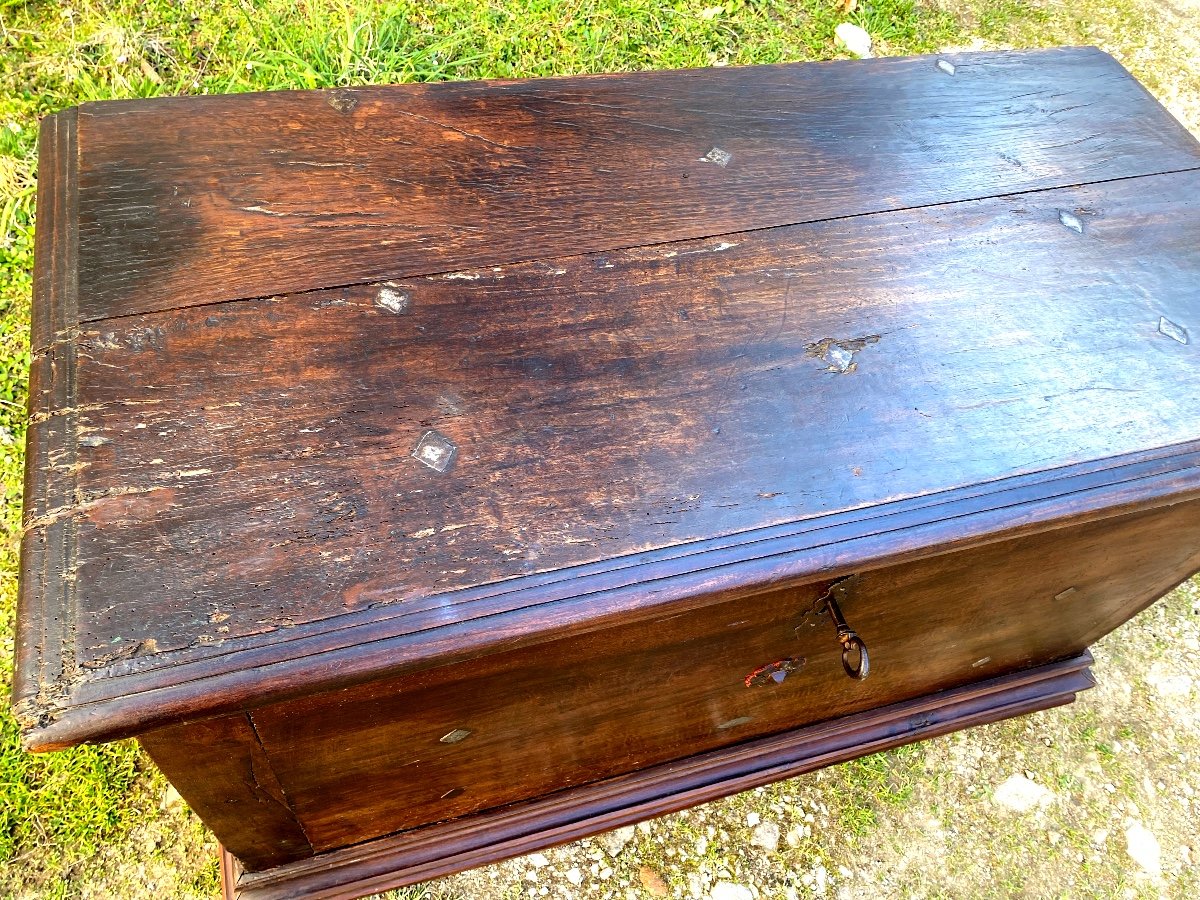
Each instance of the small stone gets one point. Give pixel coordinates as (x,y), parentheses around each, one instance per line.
(1143,848)
(652,882)
(574,876)
(606,873)
(645,827)
(766,836)
(794,837)
(820,880)
(615,841)
(171,799)
(753,819)
(701,845)
(728,890)
(539,860)
(1021,795)
(854,39)
(1167,684)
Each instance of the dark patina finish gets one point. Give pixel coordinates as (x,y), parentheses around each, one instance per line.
(428,474)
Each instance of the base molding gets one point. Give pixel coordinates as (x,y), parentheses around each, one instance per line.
(448,847)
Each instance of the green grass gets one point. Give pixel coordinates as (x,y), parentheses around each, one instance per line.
(56,811)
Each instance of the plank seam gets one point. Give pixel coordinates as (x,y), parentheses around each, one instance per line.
(433,273)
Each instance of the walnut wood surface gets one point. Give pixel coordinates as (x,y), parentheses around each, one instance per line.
(395,754)
(604,406)
(607,405)
(229,776)
(588,599)
(442,848)
(225,509)
(193,200)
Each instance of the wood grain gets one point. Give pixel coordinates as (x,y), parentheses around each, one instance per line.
(43,654)
(148,691)
(603,406)
(222,770)
(193,200)
(443,848)
(422,472)
(391,750)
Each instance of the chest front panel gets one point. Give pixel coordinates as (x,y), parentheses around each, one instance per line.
(456,740)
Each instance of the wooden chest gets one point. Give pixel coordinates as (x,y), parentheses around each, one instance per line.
(430,474)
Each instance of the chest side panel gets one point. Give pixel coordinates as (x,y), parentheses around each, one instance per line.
(222,766)
(398,754)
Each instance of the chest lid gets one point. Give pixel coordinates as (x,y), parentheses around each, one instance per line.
(329,384)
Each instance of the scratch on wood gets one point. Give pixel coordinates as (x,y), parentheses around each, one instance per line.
(462,131)
(717,157)
(391,298)
(715,248)
(435,450)
(840,353)
(83,505)
(343,100)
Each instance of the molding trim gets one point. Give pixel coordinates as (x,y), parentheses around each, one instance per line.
(448,847)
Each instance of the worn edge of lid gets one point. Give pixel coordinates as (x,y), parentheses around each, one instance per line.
(45,590)
(124,106)
(1074,495)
